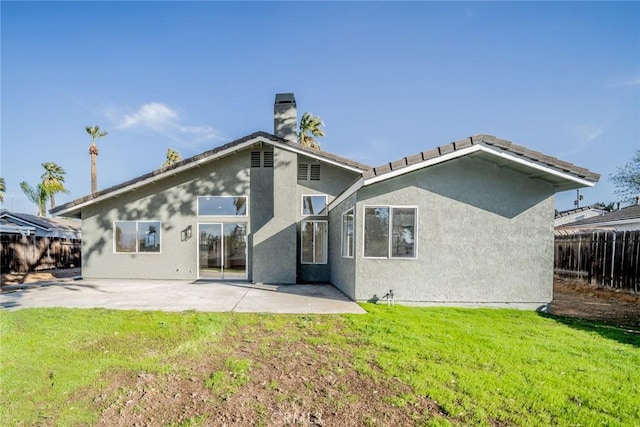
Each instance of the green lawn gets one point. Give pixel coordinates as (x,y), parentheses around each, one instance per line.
(481,366)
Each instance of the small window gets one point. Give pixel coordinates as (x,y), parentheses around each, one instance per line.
(308,172)
(222,205)
(136,236)
(347,234)
(313,245)
(390,232)
(315,204)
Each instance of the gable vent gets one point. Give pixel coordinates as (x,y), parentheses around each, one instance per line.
(255,159)
(302,171)
(315,173)
(268,159)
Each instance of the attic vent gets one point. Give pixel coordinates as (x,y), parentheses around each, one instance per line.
(255,159)
(315,173)
(307,172)
(302,171)
(268,159)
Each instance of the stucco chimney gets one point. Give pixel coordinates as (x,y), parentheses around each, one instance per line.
(285,116)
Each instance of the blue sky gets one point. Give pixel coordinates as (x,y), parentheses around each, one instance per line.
(389,79)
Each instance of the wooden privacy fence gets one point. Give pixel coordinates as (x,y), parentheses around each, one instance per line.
(22,254)
(608,259)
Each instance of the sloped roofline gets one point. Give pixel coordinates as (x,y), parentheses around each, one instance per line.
(462,147)
(499,150)
(73,207)
(626,215)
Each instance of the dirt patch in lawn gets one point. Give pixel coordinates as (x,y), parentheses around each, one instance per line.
(576,299)
(264,380)
(39,276)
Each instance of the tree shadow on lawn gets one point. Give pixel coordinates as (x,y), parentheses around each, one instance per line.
(623,333)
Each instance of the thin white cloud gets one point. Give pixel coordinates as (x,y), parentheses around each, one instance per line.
(162,119)
(588,133)
(155,116)
(632,81)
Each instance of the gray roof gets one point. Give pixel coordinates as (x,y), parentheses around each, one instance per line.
(211,153)
(48,224)
(491,141)
(629,213)
(568,212)
(497,145)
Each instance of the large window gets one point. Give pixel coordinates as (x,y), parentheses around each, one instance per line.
(222,205)
(390,232)
(347,234)
(136,236)
(313,244)
(314,204)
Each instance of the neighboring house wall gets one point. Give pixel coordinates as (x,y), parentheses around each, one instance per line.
(173,201)
(485,237)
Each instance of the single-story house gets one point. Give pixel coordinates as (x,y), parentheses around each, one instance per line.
(469,223)
(29,242)
(577,214)
(625,219)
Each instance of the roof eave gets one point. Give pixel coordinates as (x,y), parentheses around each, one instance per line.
(73,209)
(569,181)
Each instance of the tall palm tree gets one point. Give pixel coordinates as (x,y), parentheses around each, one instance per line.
(95,133)
(53,180)
(313,125)
(38,195)
(172,157)
(3,189)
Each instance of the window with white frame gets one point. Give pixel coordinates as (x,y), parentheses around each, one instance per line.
(390,231)
(348,234)
(222,205)
(314,204)
(136,236)
(313,245)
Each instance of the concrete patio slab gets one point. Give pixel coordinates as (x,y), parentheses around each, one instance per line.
(179,296)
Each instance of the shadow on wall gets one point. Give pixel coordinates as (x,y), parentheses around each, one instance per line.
(170,198)
(474,182)
(488,187)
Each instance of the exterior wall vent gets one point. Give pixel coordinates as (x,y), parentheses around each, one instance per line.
(267,160)
(255,159)
(314,173)
(307,172)
(302,171)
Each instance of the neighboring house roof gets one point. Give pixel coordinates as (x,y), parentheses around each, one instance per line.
(72,208)
(7,227)
(577,214)
(562,175)
(56,226)
(628,215)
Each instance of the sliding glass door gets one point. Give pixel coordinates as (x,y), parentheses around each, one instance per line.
(222,250)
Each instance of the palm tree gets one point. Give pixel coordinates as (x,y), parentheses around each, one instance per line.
(3,189)
(38,195)
(172,157)
(95,133)
(313,125)
(53,180)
